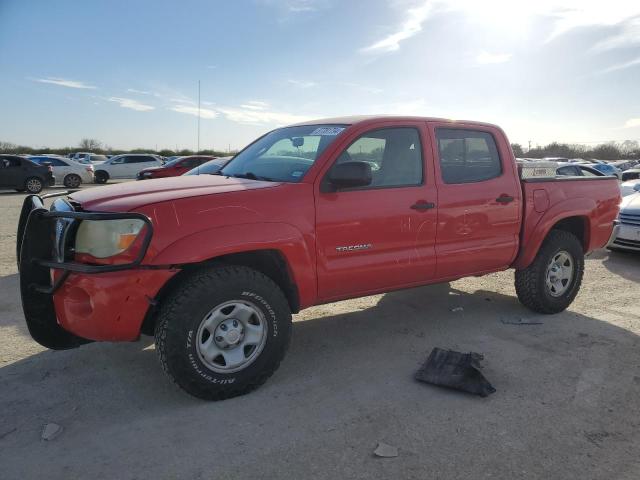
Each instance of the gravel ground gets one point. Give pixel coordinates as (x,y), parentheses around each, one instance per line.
(567,402)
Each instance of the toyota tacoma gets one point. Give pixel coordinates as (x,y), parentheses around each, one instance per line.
(214,265)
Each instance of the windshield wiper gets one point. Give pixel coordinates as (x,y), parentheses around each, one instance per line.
(251,176)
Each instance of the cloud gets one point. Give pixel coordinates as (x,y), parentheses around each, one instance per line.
(302,84)
(139,92)
(622,66)
(252,116)
(131,104)
(632,123)
(190,110)
(572,14)
(484,58)
(255,105)
(629,36)
(364,88)
(413,25)
(62,82)
(295,6)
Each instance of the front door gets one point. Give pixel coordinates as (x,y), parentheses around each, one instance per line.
(479,200)
(382,235)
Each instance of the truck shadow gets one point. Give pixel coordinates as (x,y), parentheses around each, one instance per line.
(346,371)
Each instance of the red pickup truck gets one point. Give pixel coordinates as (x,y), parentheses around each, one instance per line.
(214,265)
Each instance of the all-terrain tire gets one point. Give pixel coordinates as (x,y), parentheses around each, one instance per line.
(101,176)
(184,311)
(530,282)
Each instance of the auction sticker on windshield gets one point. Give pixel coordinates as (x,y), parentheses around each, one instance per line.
(330,131)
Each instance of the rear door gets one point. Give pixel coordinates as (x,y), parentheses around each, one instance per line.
(380,236)
(479,199)
(136,163)
(14,173)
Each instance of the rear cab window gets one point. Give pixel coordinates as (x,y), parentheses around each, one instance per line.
(467,155)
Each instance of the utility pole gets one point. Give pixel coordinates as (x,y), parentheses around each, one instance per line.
(529,145)
(198,117)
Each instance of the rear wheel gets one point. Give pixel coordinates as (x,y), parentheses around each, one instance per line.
(553,279)
(33,185)
(223,332)
(101,176)
(72,181)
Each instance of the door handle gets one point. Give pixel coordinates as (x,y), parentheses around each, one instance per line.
(423,206)
(504,198)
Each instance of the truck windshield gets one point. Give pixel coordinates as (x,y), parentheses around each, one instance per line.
(283,155)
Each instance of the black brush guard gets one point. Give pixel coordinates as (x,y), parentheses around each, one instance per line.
(42,245)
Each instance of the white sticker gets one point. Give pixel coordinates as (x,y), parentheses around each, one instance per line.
(331,131)
(296,174)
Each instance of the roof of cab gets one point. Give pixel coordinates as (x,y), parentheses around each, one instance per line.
(355,119)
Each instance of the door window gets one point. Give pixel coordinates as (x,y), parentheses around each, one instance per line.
(395,156)
(467,156)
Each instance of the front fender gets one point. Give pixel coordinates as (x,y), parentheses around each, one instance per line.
(538,225)
(218,241)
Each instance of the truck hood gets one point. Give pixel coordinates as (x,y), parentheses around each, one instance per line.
(132,195)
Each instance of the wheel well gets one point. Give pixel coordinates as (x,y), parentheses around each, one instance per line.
(104,172)
(576,226)
(269,262)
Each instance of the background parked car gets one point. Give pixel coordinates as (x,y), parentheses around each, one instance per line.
(626,228)
(20,174)
(125,166)
(631,174)
(68,172)
(578,170)
(175,167)
(211,167)
(630,187)
(606,168)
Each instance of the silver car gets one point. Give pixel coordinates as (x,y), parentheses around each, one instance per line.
(626,228)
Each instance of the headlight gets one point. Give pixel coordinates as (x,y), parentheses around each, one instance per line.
(106,238)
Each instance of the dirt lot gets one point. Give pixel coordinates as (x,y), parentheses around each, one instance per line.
(567,403)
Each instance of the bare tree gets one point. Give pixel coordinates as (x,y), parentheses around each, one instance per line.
(90,144)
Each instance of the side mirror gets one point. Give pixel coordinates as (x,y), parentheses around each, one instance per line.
(350,174)
(636,187)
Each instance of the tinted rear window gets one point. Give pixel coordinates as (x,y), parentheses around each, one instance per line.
(467,156)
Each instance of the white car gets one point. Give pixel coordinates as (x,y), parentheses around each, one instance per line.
(125,166)
(68,172)
(630,187)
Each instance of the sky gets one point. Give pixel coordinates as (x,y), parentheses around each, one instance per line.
(126,72)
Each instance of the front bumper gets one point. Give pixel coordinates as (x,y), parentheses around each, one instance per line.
(625,237)
(67,303)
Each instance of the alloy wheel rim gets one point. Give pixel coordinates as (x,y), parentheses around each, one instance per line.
(559,273)
(231,336)
(33,185)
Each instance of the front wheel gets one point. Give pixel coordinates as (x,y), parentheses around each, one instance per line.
(223,332)
(552,281)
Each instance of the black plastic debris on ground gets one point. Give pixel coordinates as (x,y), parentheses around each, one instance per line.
(460,371)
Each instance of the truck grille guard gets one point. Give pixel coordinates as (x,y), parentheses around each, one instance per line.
(42,245)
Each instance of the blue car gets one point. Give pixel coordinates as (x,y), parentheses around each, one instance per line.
(605,168)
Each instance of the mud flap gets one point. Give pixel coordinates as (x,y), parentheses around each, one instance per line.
(35,281)
(460,371)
